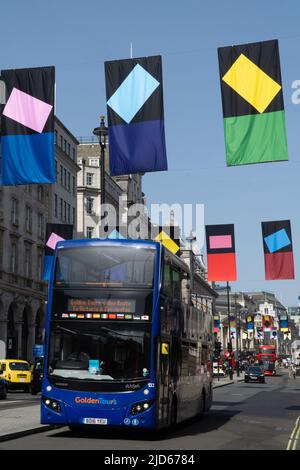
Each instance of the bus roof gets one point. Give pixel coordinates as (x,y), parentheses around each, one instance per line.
(104,241)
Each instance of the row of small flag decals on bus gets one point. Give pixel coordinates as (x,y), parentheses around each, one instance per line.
(104,316)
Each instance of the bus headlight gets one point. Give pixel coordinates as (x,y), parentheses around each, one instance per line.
(140,407)
(54,405)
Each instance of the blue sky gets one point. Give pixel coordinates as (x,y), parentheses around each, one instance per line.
(77,37)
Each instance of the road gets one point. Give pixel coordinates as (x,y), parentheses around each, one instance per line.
(18,399)
(243,416)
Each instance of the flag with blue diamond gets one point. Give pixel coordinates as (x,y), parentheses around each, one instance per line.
(135,115)
(278,250)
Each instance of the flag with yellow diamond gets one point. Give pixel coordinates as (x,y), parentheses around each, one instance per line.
(167,242)
(253,110)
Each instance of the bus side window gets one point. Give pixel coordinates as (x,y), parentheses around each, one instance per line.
(167,280)
(176,284)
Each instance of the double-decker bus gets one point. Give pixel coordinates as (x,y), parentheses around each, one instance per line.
(122,347)
(267,358)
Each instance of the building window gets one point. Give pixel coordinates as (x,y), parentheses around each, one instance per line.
(55,205)
(94,162)
(41,225)
(65,146)
(73,154)
(55,136)
(61,175)
(39,265)
(27,262)
(73,185)
(74,215)
(14,211)
(89,205)
(56,169)
(69,214)
(89,179)
(61,209)
(61,141)
(68,149)
(1,248)
(28,219)
(65,178)
(14,258)
(65,211)
(69,181)
(89,232)
(40,193)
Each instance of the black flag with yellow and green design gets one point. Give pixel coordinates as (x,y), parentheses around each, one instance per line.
(253,110)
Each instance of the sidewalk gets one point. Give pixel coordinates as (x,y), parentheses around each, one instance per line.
(20,421)
(226,381)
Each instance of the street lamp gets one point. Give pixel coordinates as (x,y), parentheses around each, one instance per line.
(191,238)
(101,132)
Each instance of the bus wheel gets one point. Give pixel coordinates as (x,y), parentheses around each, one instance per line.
(209,400)
(202,403)
(173,419)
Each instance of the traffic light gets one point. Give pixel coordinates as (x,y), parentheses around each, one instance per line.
(218,348)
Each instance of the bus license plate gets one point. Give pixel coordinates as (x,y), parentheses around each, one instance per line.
(22,380)
(102,421)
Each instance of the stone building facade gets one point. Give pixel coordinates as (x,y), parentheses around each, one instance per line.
(24,212)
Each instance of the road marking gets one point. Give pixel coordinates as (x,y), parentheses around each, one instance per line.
(8,402)
(294,436)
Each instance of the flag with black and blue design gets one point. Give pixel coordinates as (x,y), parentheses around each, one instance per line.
(27,126)
(278,250)
(135,115)
(54,233)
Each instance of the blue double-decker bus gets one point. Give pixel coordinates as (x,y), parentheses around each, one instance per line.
(123,348)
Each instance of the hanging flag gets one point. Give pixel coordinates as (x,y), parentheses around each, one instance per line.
(274,334)
(253,109)
(54,233)
(168,236)
(27,126)
(217,323)
(232,324)
(221,260)
(259,334)
(283,323)
(250,322)
(135,115)
(267,323)
(278,250)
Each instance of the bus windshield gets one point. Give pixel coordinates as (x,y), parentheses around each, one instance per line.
(113,266)
(104,351)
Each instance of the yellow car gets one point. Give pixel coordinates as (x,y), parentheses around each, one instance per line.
(16,373)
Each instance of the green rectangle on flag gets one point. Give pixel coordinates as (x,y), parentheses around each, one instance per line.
(244,135)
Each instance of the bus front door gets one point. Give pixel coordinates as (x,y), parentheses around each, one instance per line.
(164,381)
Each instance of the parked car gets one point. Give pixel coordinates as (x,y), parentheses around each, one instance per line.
(218,371)
(16,373)
(254,374)
(3,389)
(37,376)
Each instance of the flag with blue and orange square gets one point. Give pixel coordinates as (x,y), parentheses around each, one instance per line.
(252,98)
(278,250)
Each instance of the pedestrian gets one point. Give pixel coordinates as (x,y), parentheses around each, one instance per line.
(294,370)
